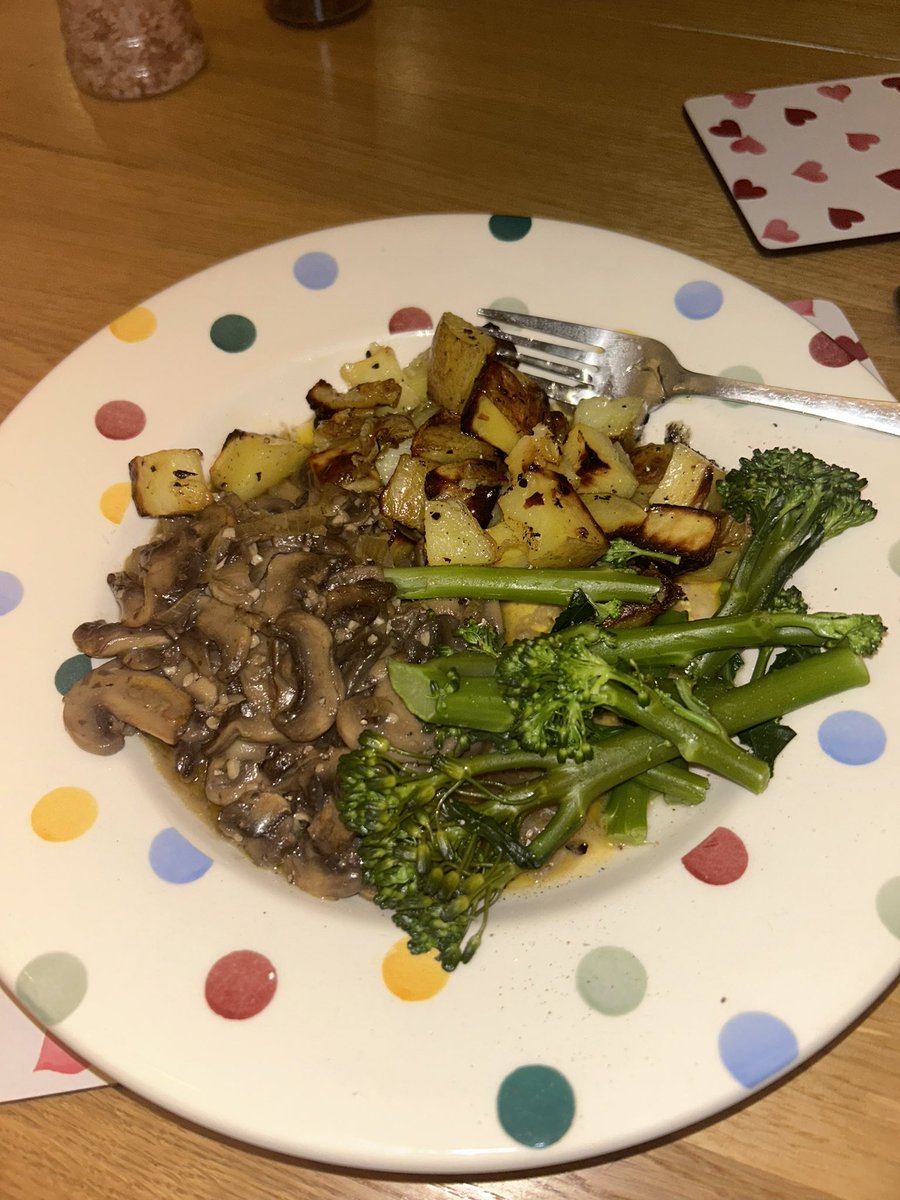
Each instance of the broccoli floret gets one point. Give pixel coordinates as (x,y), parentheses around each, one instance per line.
(793,502)
(622,553)
(440,839)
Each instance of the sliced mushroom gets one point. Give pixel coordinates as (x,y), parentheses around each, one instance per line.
(332,878)
(112,701)
(320,686)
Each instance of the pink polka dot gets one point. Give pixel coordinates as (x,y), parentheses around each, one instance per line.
(410,320)
(120,419)
(240,985)
(720,858)
(828,352)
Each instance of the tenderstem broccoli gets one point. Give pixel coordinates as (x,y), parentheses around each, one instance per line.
(439,837)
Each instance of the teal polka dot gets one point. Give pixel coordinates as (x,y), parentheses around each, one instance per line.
(232,333)
(894,558)
(744,373)
(509,304)
(509,229)
(69,672)
(536,1105)
(699,299)
(852,738)
(52,986)
(611,980)
(887,905)
(316,270)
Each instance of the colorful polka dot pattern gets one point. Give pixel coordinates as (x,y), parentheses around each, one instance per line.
(535,1102)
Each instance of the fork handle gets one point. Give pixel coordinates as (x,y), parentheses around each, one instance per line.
(883,415)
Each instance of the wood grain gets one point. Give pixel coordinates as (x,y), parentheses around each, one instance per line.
(569,111)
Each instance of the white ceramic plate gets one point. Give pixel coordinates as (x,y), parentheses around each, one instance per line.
(597,1015)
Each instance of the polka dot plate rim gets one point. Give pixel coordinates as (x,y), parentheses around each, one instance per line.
(758,928)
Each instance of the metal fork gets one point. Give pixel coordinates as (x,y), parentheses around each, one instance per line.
(601,362)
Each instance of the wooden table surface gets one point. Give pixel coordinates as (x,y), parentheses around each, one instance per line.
(418,106)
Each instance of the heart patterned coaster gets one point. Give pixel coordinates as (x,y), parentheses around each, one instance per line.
(810,164)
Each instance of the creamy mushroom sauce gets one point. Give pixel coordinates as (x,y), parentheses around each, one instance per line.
(250,644)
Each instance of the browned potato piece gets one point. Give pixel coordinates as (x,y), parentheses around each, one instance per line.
(599,464)
(477,484)
(458,351)
(504,405)
(547,515)
(169,482)
(674,529)
(403,498)
(250,463)
(440,440)
(617,516)
(621,419)
(453,536)
(687,479)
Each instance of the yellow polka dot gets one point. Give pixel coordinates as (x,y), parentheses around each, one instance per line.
(134,326)
(63,814)
(115,501)
(412,976)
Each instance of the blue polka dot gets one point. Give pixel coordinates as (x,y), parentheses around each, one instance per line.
(11,592)
(854,738)
(754,1046)
(508,228)
(69,672)
(175,860)
(699,300)
(316,270)
(536,1105)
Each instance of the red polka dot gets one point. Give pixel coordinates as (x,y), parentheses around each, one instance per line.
(720,858)
(828,352)
(410,320)
(240,984)
(120,419)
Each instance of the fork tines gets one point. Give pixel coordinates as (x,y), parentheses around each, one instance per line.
(543,357)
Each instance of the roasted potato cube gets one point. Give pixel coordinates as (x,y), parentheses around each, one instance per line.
(687,479)
(549,518)
(620,419)
(453,536)
(381,362)
(440,440)
(403,498)
(250,463)
(458,351)
(535,451)
(477,484)
(600,465)
(617,516)
(504,405)
(169,482)
(649,462)
(674,529)
(510,550)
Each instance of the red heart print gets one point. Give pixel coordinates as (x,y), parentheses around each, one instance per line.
(779,231)
(740,99)
(844,218)
(810,171)
(798,116)
(726,128)
(862,141)
(836,91)
(891,178)
(748,145)
(803,307)
(745,189)
(892,81)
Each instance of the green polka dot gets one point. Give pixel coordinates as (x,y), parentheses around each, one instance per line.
(611,980)
(746,374)
(894,558)
(887,905)
(233,333)
(52,986)
(509,304)
(536,1105)
(508,228)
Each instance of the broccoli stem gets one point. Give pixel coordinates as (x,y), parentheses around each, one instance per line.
(526,584)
